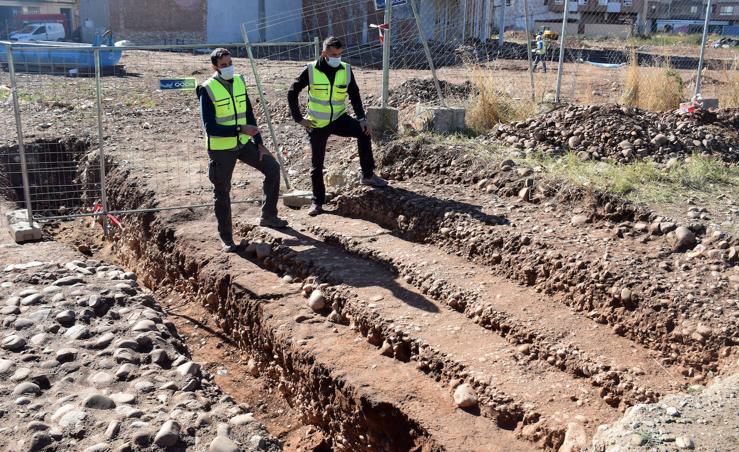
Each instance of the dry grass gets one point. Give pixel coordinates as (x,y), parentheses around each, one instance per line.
(728,95)
(493,105)
(657,88)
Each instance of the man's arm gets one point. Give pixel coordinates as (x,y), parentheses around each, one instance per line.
(292,95)
(252,121)
(208,117)
(355,98)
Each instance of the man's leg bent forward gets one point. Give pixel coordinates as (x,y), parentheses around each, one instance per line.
(268,165)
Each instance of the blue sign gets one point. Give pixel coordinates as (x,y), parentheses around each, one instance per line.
(177,83)
(380,4)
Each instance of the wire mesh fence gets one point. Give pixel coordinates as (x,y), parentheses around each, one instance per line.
(645,53)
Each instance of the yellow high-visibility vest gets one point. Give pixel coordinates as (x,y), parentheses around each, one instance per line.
(230,111)
(326,103)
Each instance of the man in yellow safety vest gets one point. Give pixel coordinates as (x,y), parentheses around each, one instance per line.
(540,53)
(330,81)
(232,134)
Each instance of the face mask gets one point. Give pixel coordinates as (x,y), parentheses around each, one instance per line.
(334,62)
(227,73)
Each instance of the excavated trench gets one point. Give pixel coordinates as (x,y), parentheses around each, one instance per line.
(362,371)
(63,176)
(350,417)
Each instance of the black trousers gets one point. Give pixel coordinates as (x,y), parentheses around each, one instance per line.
(345,126)
(220,169)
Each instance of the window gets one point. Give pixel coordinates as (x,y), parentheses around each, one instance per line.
(603,2)
(41,30)
(726,11)
(582,2)
(559,2)
(33,10)
(693,10)
(628,2)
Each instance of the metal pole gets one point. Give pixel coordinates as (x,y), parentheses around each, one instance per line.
(19,131)
(464,20)
(263,101)
(528,46)
(560,69)
(501,24)
(386,53)
(703,49)
(428,53)
(317,47)
(99,95)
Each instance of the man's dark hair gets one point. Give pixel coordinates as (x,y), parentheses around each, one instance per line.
(332,41)
(217,54)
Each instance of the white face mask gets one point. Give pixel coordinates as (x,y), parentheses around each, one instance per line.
(334,61)
(227,73)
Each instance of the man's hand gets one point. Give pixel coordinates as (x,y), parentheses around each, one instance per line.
(308,124)
(263,151)
(250,130)
(365,127)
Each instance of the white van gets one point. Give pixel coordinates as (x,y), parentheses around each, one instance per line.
(49,31)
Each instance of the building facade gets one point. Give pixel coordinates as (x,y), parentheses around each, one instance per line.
(13,13)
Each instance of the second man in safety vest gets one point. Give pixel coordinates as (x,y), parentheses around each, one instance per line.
(330,81)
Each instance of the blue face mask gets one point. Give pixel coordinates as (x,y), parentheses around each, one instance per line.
(227,73)
(334,61)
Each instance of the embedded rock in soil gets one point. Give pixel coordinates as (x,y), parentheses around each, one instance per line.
(464,396)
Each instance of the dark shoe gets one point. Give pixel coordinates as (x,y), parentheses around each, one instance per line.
(272,222)
(230,247)
(374,181)
(315,210)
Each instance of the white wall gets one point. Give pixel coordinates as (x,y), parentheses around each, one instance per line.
(225,17)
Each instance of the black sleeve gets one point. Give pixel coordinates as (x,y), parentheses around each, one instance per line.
(355,98)
(252,121)
(292,95)
(208,116)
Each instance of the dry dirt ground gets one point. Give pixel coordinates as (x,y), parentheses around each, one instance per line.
(545,312)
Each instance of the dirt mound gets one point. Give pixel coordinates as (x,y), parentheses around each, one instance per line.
(625,134)
(424,90)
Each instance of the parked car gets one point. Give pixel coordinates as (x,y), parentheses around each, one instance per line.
(48,31)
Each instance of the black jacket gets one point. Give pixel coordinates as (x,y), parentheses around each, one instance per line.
(302,81)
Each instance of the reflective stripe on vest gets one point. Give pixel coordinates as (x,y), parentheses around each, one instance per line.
(326,103)
(230,111)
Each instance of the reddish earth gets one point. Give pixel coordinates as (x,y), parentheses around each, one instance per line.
(558,308)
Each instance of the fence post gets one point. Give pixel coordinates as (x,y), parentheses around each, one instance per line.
(703,49)
(19,131)
(263,101)
(464,20)
(528,46)
(501,24)
(101,152)
(386,52)
(426,49)
(560,68)
(317,47)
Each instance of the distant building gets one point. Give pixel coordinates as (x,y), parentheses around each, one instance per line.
(13,13)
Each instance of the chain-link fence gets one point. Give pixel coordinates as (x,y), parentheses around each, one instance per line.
(76,107)
(73,101)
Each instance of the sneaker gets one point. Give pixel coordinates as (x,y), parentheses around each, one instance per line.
(315,209)
(374,181)
(272,222)
(230,247)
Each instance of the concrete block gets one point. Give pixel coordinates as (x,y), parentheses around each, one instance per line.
(297,198)
(710,103)
(383,119)
(20,229)
(439,119)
